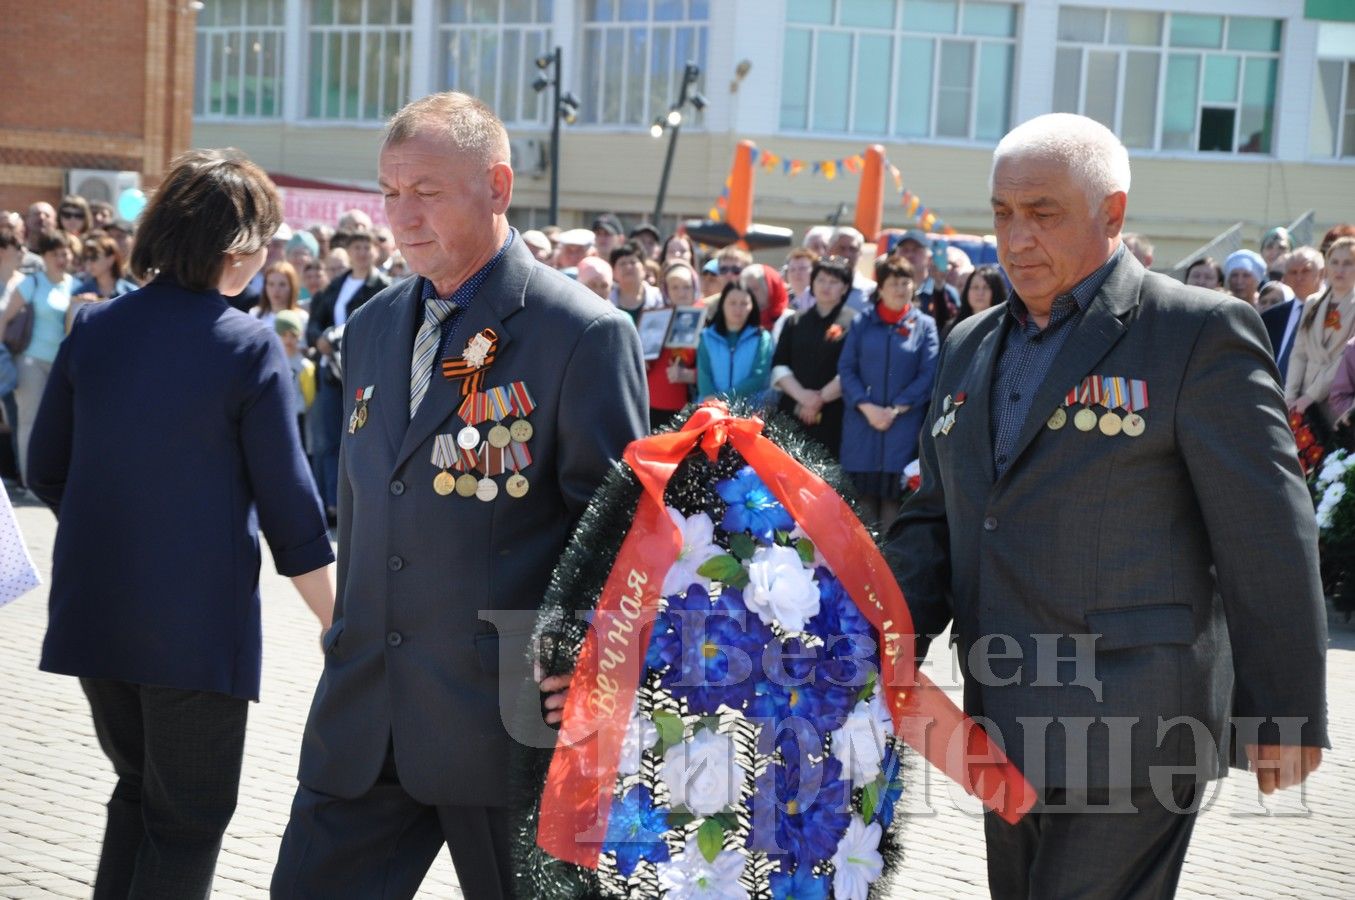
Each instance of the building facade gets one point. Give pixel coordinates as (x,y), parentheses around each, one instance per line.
(1233,110)
(92,86)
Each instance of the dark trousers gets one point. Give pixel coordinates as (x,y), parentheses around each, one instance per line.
(379,846)
(327,427)
(177,756)
(1090,853)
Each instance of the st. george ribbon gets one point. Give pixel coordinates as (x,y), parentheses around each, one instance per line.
(578,792)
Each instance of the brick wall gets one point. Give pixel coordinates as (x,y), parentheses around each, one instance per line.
(92,85)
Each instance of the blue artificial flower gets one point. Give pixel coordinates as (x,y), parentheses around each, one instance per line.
(783,692)
(635,829)
(752,506)
(709,651)
(802,884)
(808,827)
(892,768)
(838,616)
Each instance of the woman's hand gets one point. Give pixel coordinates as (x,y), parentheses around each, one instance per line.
(1301,404)
(556,691)
(879,417)
(810,407)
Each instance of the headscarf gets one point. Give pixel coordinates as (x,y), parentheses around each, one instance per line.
(1245,259)
(777,297)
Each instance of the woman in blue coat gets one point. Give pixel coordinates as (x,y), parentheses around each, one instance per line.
(165,439)
(887,366)
(734,356)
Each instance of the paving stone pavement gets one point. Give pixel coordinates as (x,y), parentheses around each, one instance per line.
(54,781)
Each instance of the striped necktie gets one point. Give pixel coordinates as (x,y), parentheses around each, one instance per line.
(425,349)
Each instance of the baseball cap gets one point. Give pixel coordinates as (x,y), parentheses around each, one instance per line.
(913,234)
(645,228)
(609,223)
(284,233)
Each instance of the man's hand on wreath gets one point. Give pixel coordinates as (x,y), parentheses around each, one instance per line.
(556,691)
(1279,767)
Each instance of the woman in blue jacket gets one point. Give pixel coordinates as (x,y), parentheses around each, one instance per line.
(887,367)
(166,437)
(734,357)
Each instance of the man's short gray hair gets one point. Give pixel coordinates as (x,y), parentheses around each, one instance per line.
(1301,255)
(1090,150)
(468,125)
(824,232)
(848,231)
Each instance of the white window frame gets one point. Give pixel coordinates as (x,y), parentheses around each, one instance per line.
(692,120)
(540,32)
(897,33)
(247,35)
(326,32)
(1344,110)
(1165,50)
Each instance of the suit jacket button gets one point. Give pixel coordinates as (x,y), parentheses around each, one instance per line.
(990,523)
(397,488)
(394,639)
(395,563)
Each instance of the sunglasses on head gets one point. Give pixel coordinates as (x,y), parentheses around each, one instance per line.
(730,270)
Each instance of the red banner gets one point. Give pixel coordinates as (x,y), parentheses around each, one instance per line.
(578,792)
(304,207)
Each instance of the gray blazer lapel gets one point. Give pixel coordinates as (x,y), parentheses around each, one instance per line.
(973,422)
(1101,327)
(498,299)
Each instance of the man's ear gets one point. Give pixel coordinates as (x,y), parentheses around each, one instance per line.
(1112,212)
(501,187)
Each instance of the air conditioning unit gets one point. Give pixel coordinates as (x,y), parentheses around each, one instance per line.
(100,184)
(527,156)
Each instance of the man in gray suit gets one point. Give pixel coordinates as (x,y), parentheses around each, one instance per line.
(485,401)
(1112,519)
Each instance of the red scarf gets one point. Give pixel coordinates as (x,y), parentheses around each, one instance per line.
(777,297)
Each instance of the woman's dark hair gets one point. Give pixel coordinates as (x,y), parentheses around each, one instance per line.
(211,203)
(50,239)
(989,274)
(74,203)
(1204,261)
(718,313)
(104,245)
(836,266)
(629,248)
(8,238)
(892,268)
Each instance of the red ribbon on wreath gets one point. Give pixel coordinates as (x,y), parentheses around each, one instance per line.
(578,793)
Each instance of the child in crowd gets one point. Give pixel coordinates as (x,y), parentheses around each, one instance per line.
(287,323)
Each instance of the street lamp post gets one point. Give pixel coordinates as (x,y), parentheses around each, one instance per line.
(563,106)
(673,122)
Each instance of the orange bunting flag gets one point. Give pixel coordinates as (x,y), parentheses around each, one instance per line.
(797,166)
(829,169)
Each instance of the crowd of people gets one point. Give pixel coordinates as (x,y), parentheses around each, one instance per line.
(852,357)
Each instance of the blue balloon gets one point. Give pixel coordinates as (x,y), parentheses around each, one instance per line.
(130,203)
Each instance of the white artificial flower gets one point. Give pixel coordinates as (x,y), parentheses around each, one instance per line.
(860,743)
(701,773)
(857,862)
(780,588)
(641,734)
(688,876)
(698,545)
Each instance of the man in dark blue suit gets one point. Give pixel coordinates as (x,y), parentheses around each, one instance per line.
(452,516)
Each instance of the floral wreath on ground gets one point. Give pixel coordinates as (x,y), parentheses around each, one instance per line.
(1333,487)
(760,760)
